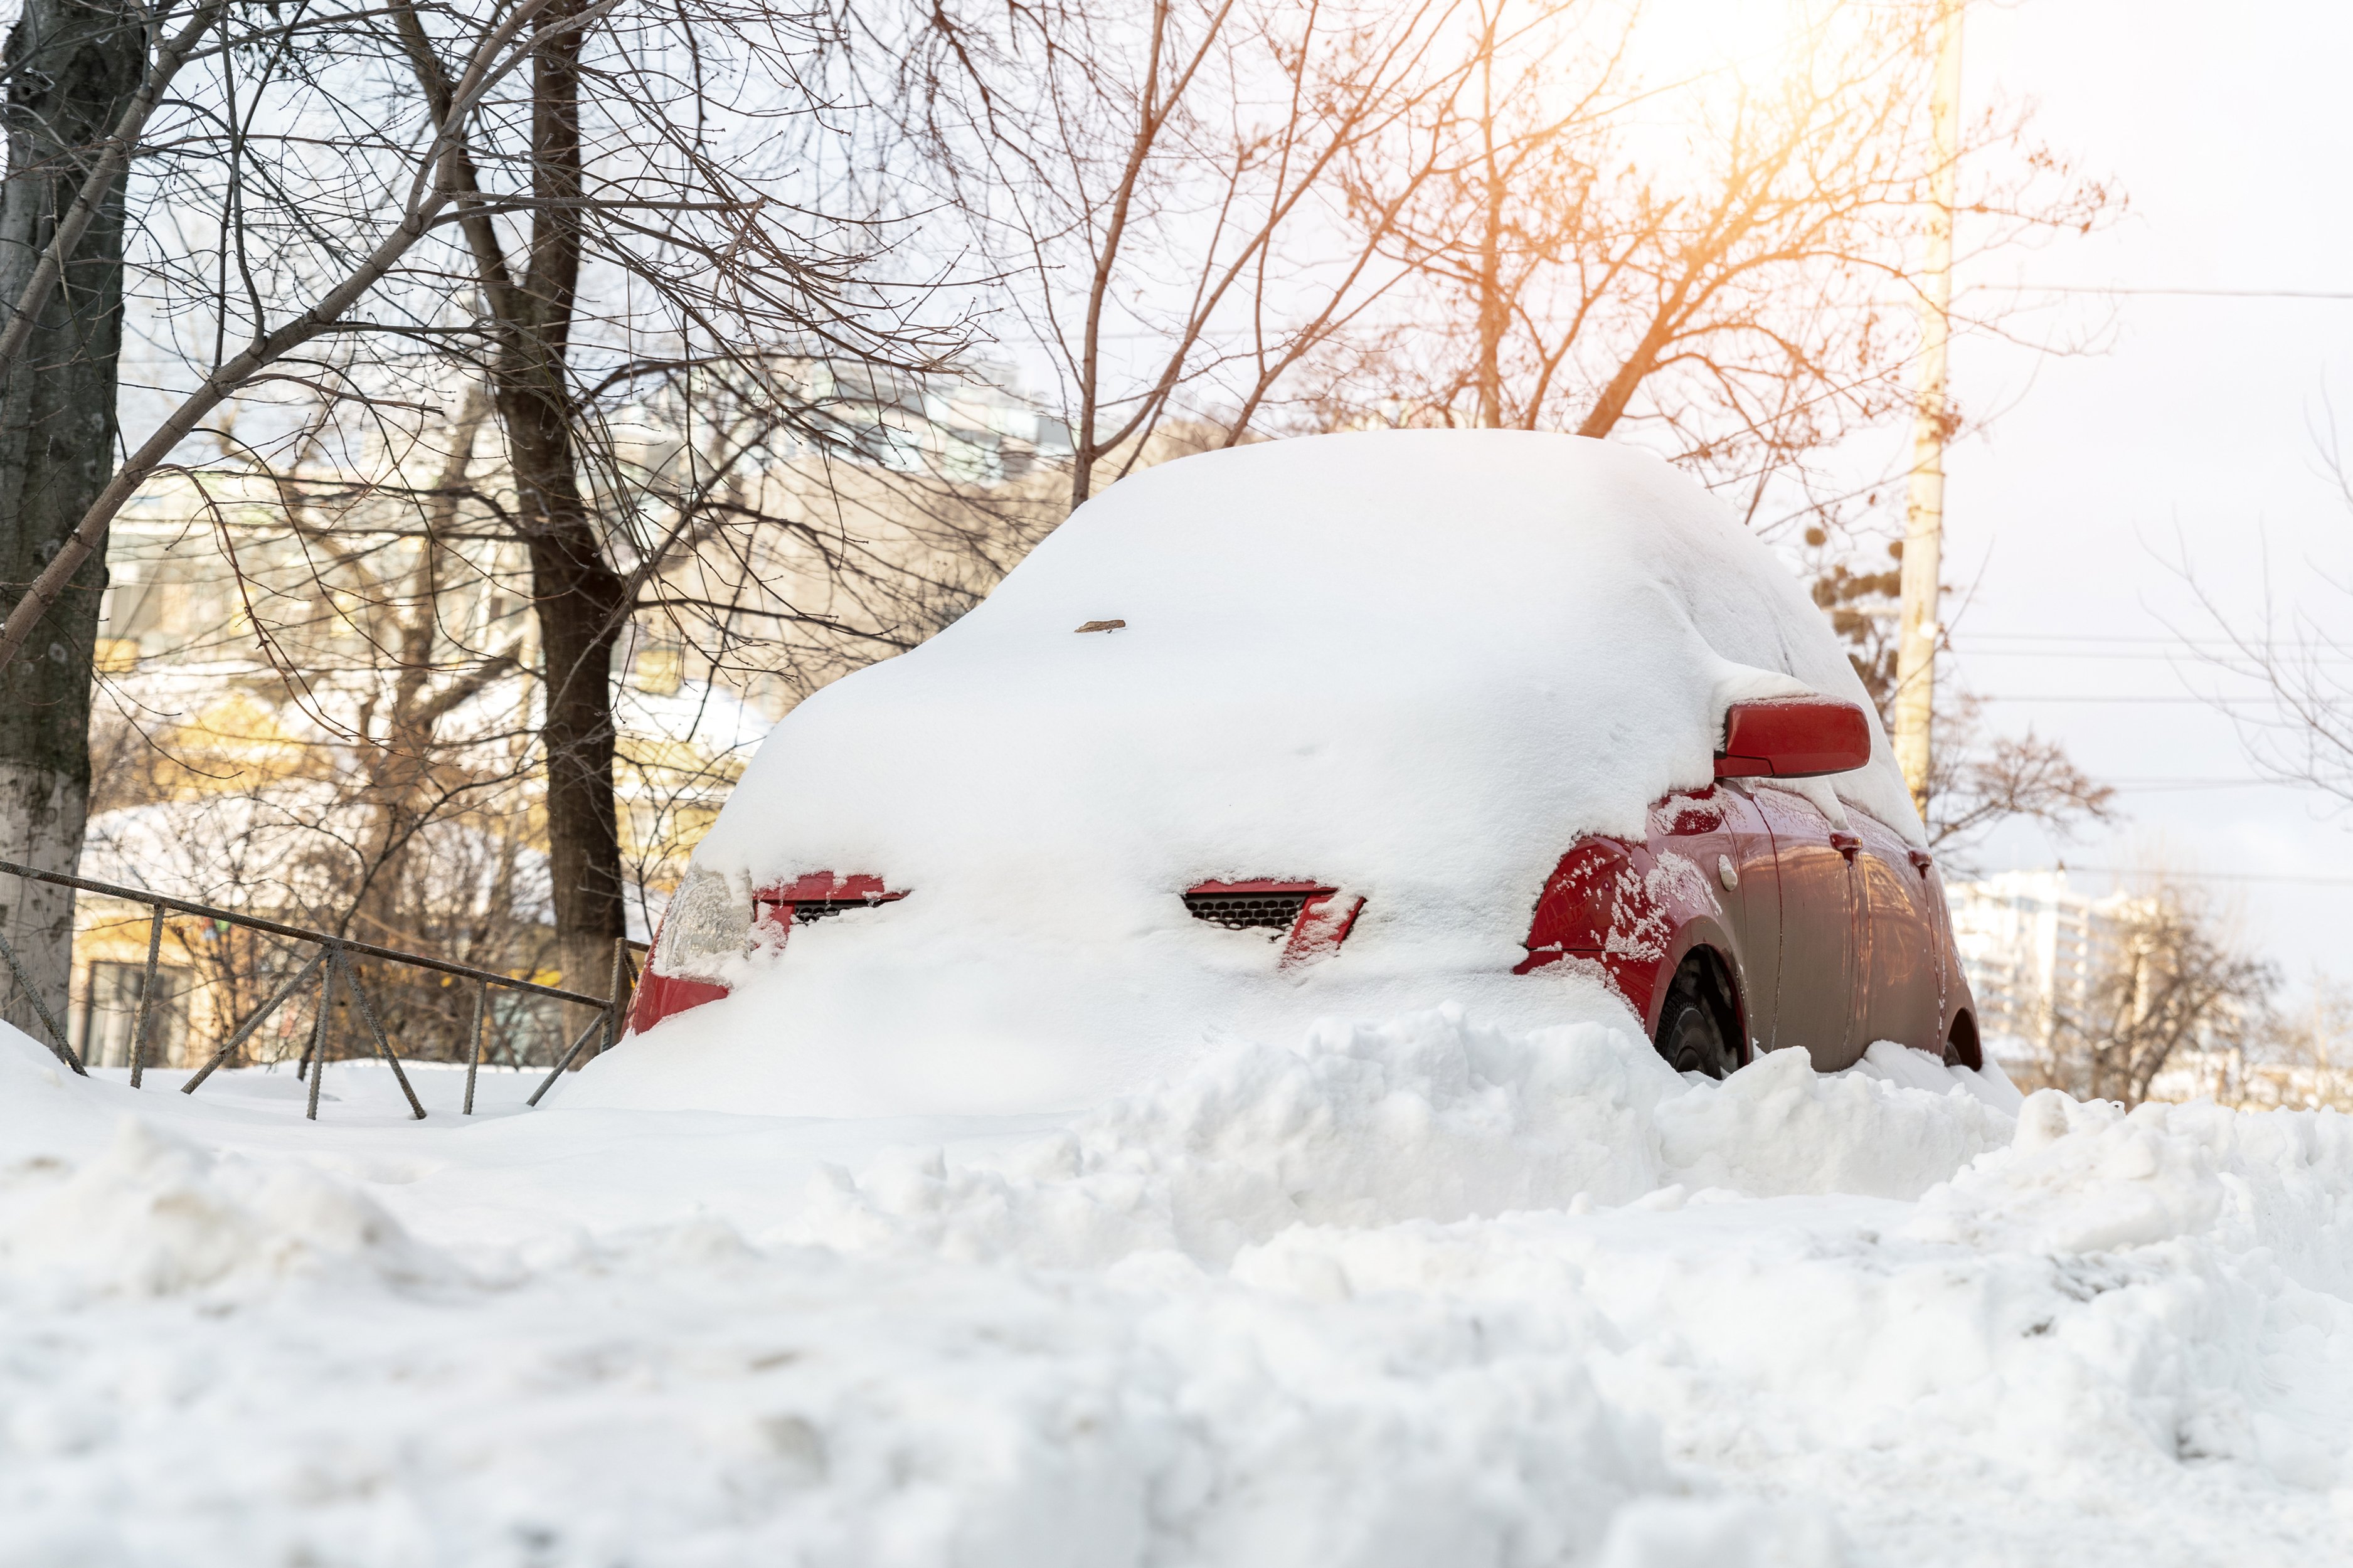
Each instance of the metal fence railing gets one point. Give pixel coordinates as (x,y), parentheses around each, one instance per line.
(330,963)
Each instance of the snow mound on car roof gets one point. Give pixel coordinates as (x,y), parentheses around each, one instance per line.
(1411,665)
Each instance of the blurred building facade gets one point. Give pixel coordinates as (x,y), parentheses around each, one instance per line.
(2034,948)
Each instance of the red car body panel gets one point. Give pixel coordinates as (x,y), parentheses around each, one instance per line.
(660,995)
(1831,939)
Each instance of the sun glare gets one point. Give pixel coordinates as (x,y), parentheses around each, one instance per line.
(1749,40)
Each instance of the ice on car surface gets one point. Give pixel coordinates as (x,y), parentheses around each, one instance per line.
(1412,666)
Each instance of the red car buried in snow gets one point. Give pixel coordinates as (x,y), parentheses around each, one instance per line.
(1343,726)
(1821,936)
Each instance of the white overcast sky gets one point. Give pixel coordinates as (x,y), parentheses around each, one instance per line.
(2193,434)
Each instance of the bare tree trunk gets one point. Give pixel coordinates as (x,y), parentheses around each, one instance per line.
(579,597)
(72,64)
(580,619)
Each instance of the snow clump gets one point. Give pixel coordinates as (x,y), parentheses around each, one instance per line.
(155,1214)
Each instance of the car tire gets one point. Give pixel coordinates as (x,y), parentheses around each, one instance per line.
(1961,1047)
(1692,1035)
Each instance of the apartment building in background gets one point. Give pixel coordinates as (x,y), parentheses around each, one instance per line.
(2034,948)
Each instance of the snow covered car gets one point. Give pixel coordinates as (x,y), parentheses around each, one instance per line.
(1339,726)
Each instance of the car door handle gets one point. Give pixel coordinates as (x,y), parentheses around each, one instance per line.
(1845,844)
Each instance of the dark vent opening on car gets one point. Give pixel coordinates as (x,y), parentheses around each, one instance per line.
(1248,911)
(809,909)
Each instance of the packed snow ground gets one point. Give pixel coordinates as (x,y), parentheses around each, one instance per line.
(1415,1294)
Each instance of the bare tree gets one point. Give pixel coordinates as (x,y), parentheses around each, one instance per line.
(2293,652)
(1718,264)
(1156,184)
(1976,784)
(2170,983)
(571,201)
(370,777)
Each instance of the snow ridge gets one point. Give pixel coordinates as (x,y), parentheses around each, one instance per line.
(1427,1117)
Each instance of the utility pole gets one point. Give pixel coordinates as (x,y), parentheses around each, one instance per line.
(1924,511)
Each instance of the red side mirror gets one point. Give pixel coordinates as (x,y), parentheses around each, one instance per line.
(1793,738)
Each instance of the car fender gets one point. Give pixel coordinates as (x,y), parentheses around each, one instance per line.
(1653,922)
(1956,997)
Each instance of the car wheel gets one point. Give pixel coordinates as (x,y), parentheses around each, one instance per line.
(1692,1034)
(1961,1047)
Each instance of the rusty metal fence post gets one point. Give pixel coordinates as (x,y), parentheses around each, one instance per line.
(146,999)
(618,993)
(293,984)
(474,1060)
(315,1058)
(382,1046)
(579,1045)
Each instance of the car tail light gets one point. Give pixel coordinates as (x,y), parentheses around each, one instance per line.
(1592,893)
(1313,920)
(710,924)
(708,921)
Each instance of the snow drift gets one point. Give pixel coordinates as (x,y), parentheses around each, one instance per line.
(1428,1117)
(1416,1291)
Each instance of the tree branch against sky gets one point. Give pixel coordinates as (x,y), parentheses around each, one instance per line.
(1153,182)
(2290,649)
(575,204)
(1712,256)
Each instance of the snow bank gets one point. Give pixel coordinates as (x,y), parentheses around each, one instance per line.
(1415,1292)
(2094,1178)
(1431,1117)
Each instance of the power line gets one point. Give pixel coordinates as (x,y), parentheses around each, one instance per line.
(2092,636)
(2212,876)
(2173,294)
(2207,659)
(2070,696)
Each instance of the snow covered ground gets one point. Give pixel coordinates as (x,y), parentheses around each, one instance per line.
(1413,1294)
